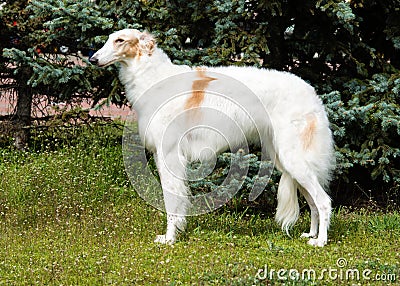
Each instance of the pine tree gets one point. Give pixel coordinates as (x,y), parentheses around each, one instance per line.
(41,48)
(15,30)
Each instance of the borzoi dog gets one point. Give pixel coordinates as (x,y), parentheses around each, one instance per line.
(295,132)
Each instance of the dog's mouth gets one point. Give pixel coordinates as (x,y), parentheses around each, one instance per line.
(106,64)
(95,61)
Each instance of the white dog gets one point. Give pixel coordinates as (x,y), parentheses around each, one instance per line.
(294,129)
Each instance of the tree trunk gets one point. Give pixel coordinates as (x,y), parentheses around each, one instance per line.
(22,119)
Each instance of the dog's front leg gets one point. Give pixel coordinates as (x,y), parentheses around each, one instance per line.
(171,169)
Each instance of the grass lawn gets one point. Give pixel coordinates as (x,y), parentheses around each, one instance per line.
(69,216)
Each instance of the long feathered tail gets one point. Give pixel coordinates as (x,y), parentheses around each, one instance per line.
(287,211)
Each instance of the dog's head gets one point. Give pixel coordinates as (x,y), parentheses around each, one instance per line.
(123,46)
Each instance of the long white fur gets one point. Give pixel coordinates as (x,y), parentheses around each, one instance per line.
(292,106)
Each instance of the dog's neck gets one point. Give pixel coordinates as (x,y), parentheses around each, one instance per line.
(138,74)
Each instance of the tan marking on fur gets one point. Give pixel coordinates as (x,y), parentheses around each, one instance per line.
(135,47)
(307,135)
(129,48)
(132,48)
(150,47)
(198,88)
(150,43)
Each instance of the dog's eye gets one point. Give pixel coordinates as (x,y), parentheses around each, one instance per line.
(119,41)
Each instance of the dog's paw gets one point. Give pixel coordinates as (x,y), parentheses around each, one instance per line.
(308,235)
(317,242)
(162,239)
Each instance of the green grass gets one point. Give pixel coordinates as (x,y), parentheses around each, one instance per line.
(69,216)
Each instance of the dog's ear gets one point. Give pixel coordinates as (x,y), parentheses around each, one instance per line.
(147,42)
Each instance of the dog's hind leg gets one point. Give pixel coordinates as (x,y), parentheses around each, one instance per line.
(318,199)
(175,192)
(322,203)
(304,148)
(314,215)
(310,187)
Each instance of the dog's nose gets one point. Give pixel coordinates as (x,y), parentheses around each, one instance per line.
(93,60)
